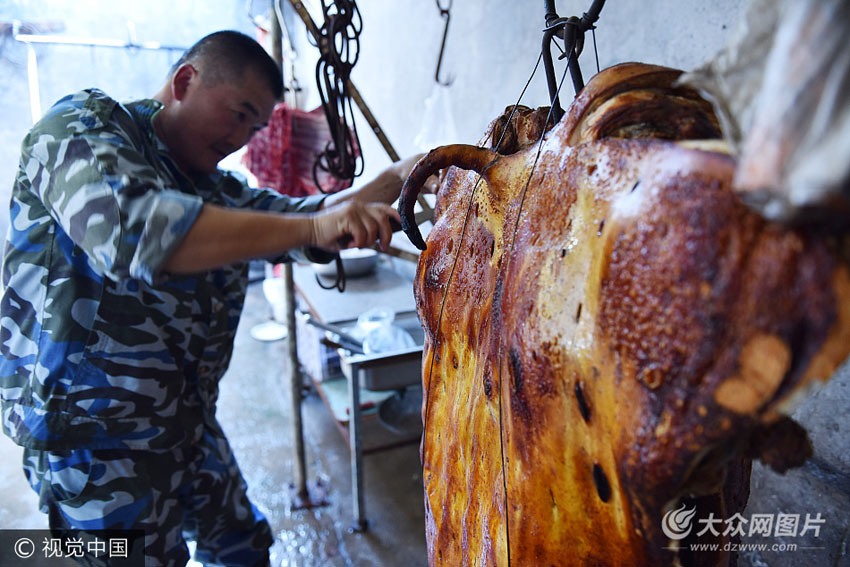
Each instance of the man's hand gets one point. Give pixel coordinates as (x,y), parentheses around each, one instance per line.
(352,224)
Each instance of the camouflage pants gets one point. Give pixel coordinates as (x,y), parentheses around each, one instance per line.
(196,493)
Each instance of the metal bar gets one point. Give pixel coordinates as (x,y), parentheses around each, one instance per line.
(310,320)
(590,17)
(403,254)
(94,42)
(276,33)
(373,122)
(356,452)
(301,10)
(299,465)
(571,37)
(550,13)
(551,79)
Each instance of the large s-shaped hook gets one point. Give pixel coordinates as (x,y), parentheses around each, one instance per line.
(444,13)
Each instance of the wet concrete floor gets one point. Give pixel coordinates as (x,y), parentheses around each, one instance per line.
(254,411)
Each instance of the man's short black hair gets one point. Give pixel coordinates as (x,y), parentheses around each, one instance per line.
(225,55)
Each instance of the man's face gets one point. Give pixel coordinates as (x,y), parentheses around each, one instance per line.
(214,121)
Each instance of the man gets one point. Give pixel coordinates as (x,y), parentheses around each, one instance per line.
(124,277)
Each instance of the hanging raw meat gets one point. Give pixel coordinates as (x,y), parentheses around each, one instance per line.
(611,334)
(282,155)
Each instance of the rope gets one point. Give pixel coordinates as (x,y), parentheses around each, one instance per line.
(339,46)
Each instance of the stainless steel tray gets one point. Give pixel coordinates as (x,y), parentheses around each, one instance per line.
(388,370)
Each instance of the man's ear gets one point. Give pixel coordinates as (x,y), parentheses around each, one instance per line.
(181,80)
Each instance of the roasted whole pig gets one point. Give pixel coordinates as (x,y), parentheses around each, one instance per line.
(611,335)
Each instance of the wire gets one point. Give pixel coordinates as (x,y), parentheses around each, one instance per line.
(507,271)
(595,52)
(339,282)
(516,105)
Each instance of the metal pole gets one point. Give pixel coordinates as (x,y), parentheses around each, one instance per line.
(551,78)
(355,442)
(277,40)
(94,42)
(373,122)
(299,466)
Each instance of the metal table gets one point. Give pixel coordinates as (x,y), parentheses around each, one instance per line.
(384,371)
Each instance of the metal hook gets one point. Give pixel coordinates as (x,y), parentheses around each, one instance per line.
(444,13)
(572,31)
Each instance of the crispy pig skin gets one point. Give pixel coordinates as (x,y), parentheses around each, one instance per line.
(609,337)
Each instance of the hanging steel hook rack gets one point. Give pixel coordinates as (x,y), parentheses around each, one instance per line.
(571,30)
(446,15)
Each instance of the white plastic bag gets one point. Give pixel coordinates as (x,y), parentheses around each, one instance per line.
(438,124)
(378,332)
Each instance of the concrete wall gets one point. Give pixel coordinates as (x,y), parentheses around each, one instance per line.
(491,50)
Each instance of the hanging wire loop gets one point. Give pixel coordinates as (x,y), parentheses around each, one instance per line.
(445,13)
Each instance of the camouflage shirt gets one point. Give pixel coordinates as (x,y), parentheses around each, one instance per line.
(100,348)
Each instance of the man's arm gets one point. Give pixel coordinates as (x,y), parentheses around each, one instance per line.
(221,236)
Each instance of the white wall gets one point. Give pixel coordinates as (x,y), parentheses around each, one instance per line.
(491,50)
